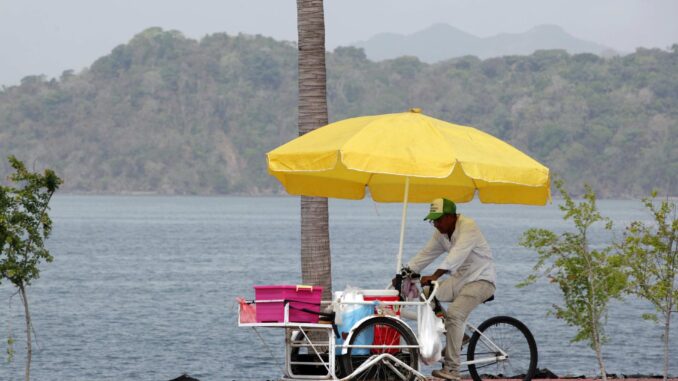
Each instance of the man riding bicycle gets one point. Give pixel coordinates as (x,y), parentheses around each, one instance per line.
(472,278)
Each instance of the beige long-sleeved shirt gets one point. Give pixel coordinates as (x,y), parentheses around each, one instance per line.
(468,258)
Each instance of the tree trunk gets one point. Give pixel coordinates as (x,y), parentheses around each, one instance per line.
(667,325)
(594,316)
(27,314)
(316,264)
(599,354)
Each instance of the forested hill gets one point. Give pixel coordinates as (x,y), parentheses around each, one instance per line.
(172,115)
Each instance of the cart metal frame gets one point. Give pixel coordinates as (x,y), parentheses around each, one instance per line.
(330,365)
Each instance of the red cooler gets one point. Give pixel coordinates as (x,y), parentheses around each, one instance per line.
(384,335)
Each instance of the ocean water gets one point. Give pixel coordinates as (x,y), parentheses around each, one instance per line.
(143,288)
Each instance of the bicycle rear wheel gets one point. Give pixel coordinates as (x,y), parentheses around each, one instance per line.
(399,342)
(512,337)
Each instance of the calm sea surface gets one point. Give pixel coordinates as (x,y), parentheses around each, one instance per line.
(143,288)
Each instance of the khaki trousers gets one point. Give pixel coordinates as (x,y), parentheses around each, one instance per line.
(468,298)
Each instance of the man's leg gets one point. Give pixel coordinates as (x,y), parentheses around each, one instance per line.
(446,290)
(469,297)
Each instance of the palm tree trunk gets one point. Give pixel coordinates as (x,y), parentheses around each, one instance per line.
(27,315)
(316,264)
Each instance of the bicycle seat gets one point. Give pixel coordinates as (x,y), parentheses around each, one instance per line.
(491,298)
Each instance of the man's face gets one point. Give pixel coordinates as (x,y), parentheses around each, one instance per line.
(445,224)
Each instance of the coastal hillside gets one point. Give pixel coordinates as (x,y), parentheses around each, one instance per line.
(171,115)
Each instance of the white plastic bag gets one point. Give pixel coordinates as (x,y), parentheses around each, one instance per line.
(341,304)
(429,340)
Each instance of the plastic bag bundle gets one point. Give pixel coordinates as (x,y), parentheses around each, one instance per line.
(409,289)
(429,340)
(248,311)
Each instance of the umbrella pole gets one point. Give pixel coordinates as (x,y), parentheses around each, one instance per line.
(402,225)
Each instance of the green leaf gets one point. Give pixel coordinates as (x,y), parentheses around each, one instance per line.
(10,348)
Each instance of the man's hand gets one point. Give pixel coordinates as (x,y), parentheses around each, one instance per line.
(426,280)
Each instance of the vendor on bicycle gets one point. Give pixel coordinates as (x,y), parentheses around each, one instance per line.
(468,261)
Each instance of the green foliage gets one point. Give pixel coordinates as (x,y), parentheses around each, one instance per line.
(24,223)
(651,252)
(164,113)
(24,226)
(651,255)
(588,278)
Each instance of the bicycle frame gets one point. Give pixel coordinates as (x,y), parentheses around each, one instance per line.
(503,355)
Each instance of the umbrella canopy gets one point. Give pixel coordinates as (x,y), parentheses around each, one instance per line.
(386,152)
(408,157)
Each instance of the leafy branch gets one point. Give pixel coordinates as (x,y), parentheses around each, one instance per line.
(588,278)
(24,227)
(650,252)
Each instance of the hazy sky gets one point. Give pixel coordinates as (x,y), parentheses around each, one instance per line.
(48,36)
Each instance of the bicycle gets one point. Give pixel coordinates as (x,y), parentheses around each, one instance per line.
(501,344)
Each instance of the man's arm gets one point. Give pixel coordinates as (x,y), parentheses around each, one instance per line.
(429,278)
(466,241)
(426,255)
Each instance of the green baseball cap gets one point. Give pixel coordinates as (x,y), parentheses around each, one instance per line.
(440,207)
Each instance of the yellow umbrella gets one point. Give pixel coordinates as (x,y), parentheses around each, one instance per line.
(409,157)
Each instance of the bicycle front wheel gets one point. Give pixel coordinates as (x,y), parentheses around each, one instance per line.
(502,333)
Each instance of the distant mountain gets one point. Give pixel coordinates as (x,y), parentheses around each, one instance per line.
(441,41)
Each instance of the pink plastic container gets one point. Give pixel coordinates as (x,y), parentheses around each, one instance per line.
(307,297)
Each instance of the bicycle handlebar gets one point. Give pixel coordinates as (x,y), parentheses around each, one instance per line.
(434,284)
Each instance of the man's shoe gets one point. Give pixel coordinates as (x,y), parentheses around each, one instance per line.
(445,375)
